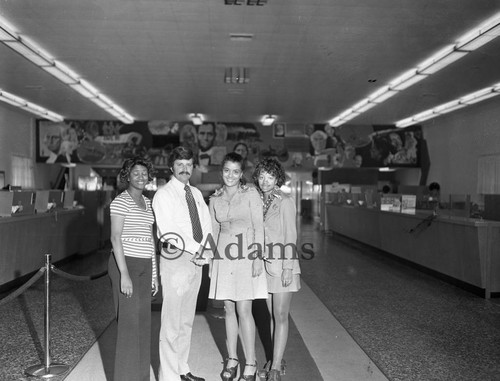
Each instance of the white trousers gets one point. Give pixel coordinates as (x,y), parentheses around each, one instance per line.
(181,282)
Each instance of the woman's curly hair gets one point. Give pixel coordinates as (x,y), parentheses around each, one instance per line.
(271,166)
(131,163)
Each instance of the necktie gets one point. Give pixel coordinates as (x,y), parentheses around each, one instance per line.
(193,213)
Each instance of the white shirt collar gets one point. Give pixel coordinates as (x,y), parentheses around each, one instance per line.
(178,184)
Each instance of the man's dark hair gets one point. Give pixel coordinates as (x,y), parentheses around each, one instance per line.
(434,186)
(179,153)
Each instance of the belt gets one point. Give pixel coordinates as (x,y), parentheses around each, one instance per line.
(168,246)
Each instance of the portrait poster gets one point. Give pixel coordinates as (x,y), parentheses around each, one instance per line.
(279,130)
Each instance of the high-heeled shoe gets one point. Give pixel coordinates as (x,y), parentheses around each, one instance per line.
(249,377)
(283,367)
(265,370)
(274,375)
(229,372)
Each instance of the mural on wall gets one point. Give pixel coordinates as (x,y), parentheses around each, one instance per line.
(299,146)
(363,146)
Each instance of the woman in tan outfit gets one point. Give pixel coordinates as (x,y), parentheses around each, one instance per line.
(282,264)
(237,273)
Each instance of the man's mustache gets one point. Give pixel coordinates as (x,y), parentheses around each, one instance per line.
(184,173)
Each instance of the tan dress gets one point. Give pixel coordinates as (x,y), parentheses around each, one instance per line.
(239,233)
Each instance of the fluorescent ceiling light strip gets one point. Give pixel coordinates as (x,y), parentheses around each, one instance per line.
(363,106)
(403,78)
(405,122)
(40,52)
(106,100)
(475,43)
(479,98)
(346,113)
(6,35)
(66,70)
(127,117)
(368,106)
(28,106)
(338,123)
(453,105)
(333,121)
(60,75)
(54,117)
(82,90)
(424,115)
(10,101)
(127,120)
(114,113)
(33,107)
(383,97)
(381,94)
(476,94)
(480,35)
(439,55)
(8,30)
(441,63)
(495,31)
(348,117)
(14,98)
(100,103)
(448,107)
(89,87)
(409,82)
(118,109)
(123,117)
(39,57)
(28,53)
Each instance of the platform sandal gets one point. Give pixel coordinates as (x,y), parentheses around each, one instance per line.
(249,377)
(229,373)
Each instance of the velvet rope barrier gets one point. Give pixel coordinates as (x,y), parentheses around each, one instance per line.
(24,287)
(64,274)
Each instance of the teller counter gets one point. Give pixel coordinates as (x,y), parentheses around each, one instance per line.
(464,249)
(24,240)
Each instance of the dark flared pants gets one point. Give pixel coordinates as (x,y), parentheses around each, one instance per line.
(133,315)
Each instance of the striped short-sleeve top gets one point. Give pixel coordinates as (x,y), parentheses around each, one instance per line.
(137,238)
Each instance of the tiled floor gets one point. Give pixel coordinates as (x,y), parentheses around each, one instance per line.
(409,325)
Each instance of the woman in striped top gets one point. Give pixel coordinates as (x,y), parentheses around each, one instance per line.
(132,269)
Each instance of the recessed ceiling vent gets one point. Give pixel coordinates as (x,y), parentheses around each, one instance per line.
(246,2)
(241,36)
(239,75)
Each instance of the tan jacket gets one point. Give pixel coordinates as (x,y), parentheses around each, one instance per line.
(281,236)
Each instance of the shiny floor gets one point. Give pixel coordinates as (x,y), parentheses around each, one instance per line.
(361,316)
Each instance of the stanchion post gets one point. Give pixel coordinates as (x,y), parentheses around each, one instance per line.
(47,370)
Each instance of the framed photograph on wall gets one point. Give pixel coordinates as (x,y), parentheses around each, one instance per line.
(279,130)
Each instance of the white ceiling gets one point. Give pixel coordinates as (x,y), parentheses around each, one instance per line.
(308,61)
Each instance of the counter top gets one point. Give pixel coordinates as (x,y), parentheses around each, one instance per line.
(443,215)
